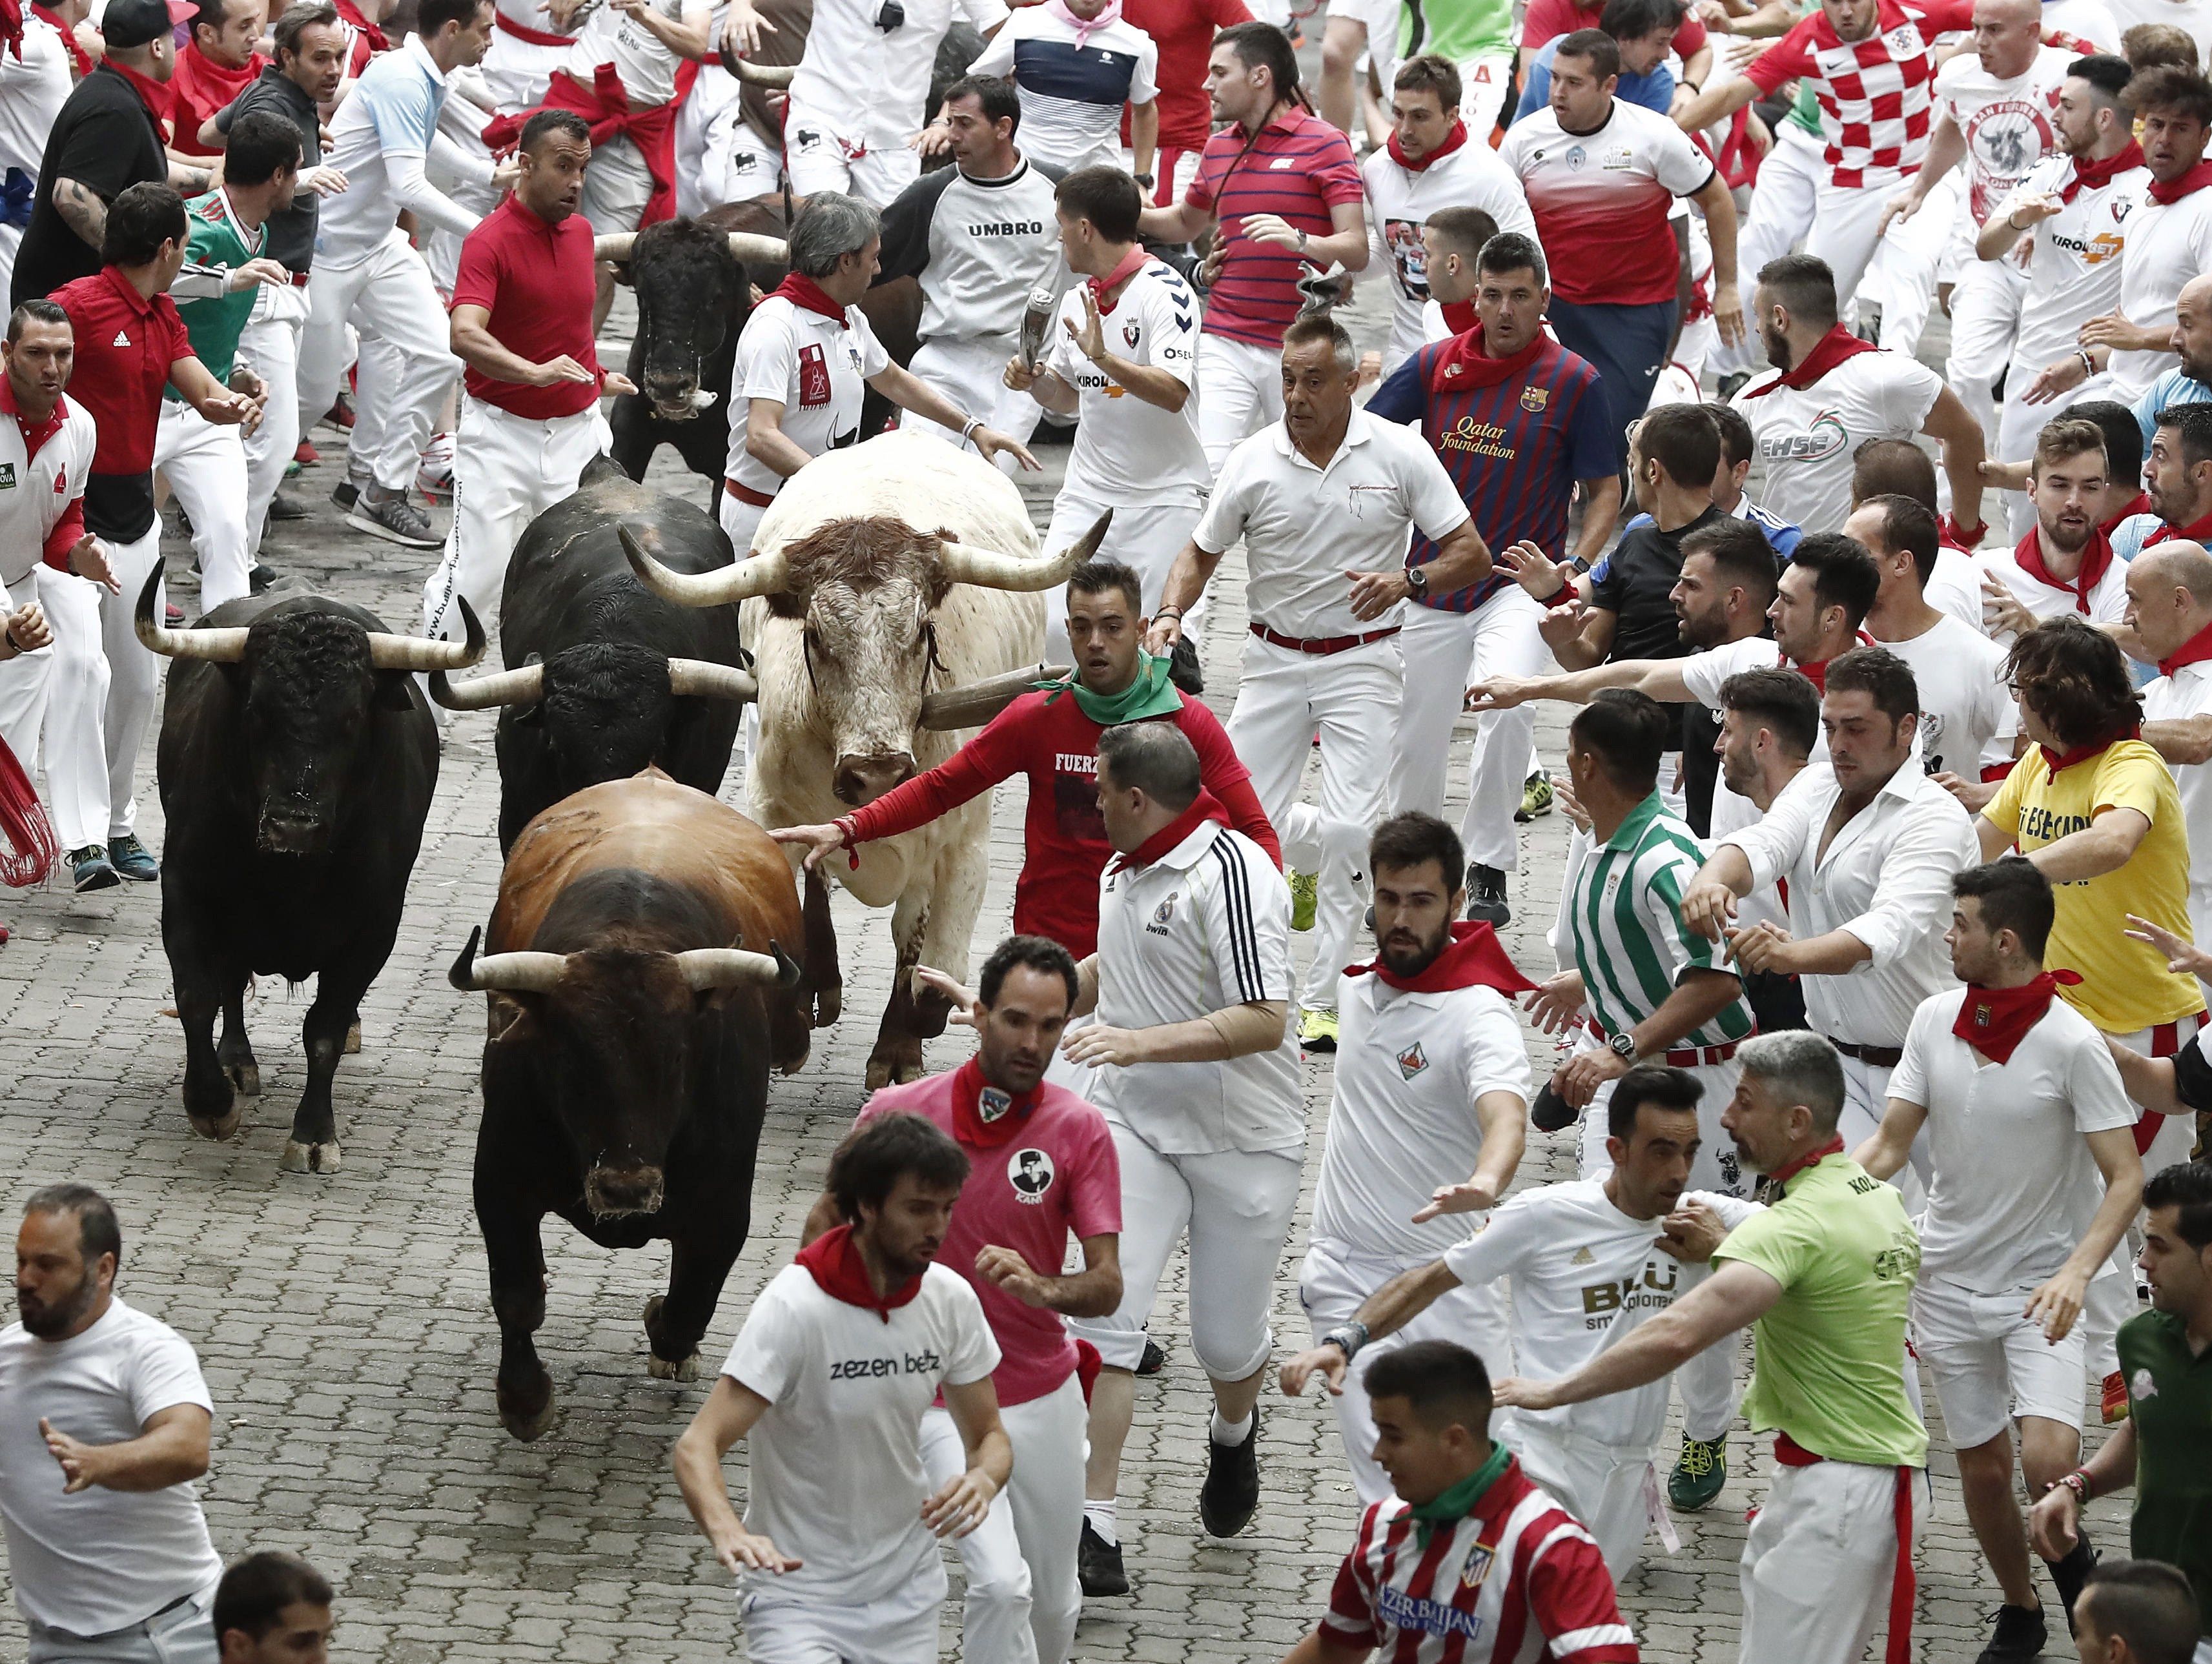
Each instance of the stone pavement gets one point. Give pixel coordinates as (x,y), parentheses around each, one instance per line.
(345,1330)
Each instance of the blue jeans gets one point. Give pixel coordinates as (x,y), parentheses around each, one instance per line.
(1626,344)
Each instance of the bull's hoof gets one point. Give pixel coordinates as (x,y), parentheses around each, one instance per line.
(353,1039)
(661,1369)
(246,1077)
(829,1006)
(321,1158)
(218,1127)
(527,1415)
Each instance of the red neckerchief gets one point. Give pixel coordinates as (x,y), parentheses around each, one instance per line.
(2055,761)
(11,26)
(2195,651)
(1817,674)
(2089,174)
(2167,192)
(1459,315)
(80,59)
(1452,141)
(984,1115)
(1464,363)
(2096,561)
(2139,504)
(352,15)
(1994,1021)
(1476,959)
(1202,809)
(806,295)
(1788,1170)
(1830,350)
(2196,531)
(199,87)
(1124,269)
(151,93)
(838,1271)
(35,437)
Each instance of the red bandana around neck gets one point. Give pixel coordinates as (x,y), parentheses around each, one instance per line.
(2138,504)
(2090,174)
(1817,673)
(834,1261)
(983,1115)
(1476,958)
(350,14)
(1452,141)
(1994,1021)
(1459,315)
(1830,350)
(2195,651)
(2196,531)
(1124,269)
(2055,761)
(2096,561)
(151,93)
(2167,192)
(1788,1170)
(80,59)
(806,295)
(1203,808)
(1462,364)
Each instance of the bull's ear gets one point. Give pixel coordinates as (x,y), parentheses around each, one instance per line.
(394,690)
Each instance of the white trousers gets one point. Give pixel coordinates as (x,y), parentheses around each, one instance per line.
(517,70)
(1352,698)
(386,298)
(1818,1562)
(1023,1594)
(971,373)
(181,1635)
(819,156)
(740,520)
(1235,1207)
(1240,390)
(1443,653)
(1984,322)
(1781,214)
(25,682)
(271,344)
(1909,260)
(1145,537)
(102,698)
(1866,1100)
(507,470)
(1845,223)
(1608,1490)
(899,1628)
(206,469)
(1332,1284)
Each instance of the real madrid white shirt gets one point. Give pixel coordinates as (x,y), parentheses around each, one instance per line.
(817,366)
(836,1477)
(871,84)
(1401,1120)
(1400,200)
(2074,266)
(36,490)
(1807,436)
(2168,244)
(1205,928)
(2186,693)
(1126,450)
(1304,527)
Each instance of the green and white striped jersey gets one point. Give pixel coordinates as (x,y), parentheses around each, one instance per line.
(1626,918)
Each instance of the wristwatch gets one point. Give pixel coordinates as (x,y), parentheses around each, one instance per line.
(1622,1045)
(1142,179)
(1417,583)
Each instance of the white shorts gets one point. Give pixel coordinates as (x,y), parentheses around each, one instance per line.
(1146,537)
(1990,1365)
(971,375)
(1613,1492)
(900,1628)
(820,155)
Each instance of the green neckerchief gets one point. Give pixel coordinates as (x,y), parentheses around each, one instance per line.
(1459,1502)
(1149,694)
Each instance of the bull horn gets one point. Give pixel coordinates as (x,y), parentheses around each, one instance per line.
(759,75)
(757,575)
(759,250)
(216,646)
(975,703)
(387,651)
(988,567)
(505,972)
(614,248)
(702,678)
(734,968)
(524,687)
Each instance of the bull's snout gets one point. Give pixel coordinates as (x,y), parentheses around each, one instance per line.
(862,780)
(290,829)
(612,1190)
(674,396)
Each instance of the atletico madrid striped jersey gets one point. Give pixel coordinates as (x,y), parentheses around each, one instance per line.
(1297,167)
(1516,1581)
(1875,95)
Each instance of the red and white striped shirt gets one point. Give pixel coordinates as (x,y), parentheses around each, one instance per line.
(1515,1582)
(1875,94)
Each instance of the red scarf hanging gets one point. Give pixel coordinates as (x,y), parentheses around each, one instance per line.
(2138,504)
(1452,141)
(1994,1021)
(984,1115)
(351,15)
(1830,350)
(1476,958)
(2196,531)
(2055,761)
(199,87)
(2090,174)
(2195,651)
(1788,1170)
(2096,561)
(80,59)
(1203,808)
(2167,192)
(1124,269)
(1463,364)
(151,93)
(833,1260)
(606,106)
(806,295)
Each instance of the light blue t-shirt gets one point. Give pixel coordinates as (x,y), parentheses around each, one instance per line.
(392,110)
(1655,91)
(2174,387)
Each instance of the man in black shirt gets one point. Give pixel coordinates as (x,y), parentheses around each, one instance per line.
(105,140)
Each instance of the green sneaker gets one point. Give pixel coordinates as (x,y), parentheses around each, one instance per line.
(1535,798)
(1305,891)
(1317,1031)
(1699,1473)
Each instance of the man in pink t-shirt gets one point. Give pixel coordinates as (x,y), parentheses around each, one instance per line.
(1042,1165)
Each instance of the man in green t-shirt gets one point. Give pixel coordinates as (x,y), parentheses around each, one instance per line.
(205,464)
(1824,1276)
(2163,1449)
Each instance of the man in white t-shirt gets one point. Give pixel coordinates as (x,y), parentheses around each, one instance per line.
(2169,607)
(1326,492)
(2033,1181)
(838,1360)
(1076,68)
(104,1424)
(2064,564)
(1121,354)
(805,360)
(1588,1262)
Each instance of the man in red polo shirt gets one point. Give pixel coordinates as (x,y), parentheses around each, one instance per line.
(131,344)
(522,323)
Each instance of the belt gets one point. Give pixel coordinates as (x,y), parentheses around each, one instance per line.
(1681,1057)
(1882,1057)
(1326,644)
(745,493)
(1902,1582)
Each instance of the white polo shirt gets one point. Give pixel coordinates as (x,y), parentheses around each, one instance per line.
(1400,200)
(36,490)
(871,84)
(2012,1186)
(1886,878)
(818,368)
(1304,527)
(1967,717)
(1203,927)
(2168,244)
(837,1475)
(1401,1121)
(2074,268)
(2108,596)
(2187,693)
(1126,450)
(1807,435)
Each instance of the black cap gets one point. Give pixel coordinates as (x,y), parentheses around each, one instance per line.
(134,22)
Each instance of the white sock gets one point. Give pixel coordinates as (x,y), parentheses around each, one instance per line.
(1101,1517)
(1230,1433)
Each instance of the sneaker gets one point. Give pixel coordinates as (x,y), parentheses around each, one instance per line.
(2112,1399)
(1154,1359)
(1732,384)
(1485,895)
(259,580)
(347,492)
(1699,1472)
(393,519)
(305,455)
(90,869)
(133,860)
(283,505)
(173,615)
(1317,1031)
(340,415)
(1183,668)
(1535,798)
(1230,1495)
(1099,1564)
(2018,1634)
(434,476)
(1305,894)
(2070,1574)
